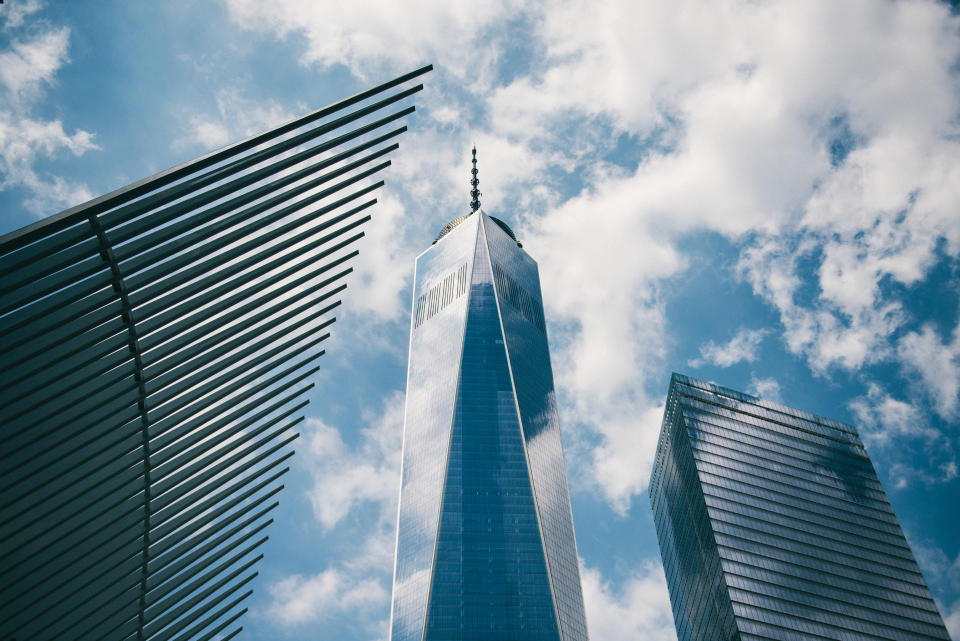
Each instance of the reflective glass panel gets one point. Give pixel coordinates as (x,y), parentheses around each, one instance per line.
(490,577)
(789,518)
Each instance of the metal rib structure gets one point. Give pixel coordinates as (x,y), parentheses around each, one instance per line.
(156,348)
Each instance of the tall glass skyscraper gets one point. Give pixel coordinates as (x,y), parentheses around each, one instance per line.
(485,543)
(773,525)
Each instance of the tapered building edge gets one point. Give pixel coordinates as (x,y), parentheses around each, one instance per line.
(479,226)
(910,611)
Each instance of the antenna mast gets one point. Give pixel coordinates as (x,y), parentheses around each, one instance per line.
(474,182)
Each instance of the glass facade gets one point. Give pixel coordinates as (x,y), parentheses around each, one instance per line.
(773,525)
(485,544)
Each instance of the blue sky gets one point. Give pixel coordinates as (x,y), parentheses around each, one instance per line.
(762,194)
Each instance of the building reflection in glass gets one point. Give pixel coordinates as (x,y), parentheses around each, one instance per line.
(773,525)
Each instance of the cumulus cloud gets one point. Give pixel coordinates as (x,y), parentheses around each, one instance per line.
(345,478)
(369,36)
(27,68)
(639,608)
(829,161)
(880,213)
(744,141)
(742,347)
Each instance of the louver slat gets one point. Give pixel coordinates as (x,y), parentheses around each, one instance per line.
(159,612)
(144,251)
(191,327)
(181,558)
(156,342)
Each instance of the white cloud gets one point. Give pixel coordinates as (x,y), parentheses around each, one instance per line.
(951,617)
(766,388)
(743,98)
(819,331)
(883,419)
(384,267)
(751,151)
(942,574)
(742,105)
(29,64)
(237,116)
(298,599)
(26,68)
(610,340)
(368,36)
(935,563)
(937,363)
(18,10)
(621,462)
(345,478)
(900,432)
(638,609)
(880,213)
(742,347)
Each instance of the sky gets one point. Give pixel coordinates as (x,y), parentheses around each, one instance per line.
(759,193)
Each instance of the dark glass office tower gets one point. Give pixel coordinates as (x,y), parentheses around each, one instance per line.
(773,525)
(485,543)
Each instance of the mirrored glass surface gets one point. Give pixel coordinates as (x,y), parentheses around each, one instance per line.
(518,288)
(485,543)
(490,576)
(784,512)
(436,340)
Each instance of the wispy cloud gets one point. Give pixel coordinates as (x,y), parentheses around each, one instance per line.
(899,429)
(638,608)
(236,116)
(27,67)
(355,586)
(15,14)
(766,388)
(298,599)
(344,477)
(940,572)
(952,619)
(938,364)
(742,347)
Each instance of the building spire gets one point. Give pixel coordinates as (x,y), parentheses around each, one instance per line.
(474,182)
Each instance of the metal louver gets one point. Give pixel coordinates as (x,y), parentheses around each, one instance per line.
(155,345)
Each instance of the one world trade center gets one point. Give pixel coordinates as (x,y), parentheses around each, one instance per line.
(485,542)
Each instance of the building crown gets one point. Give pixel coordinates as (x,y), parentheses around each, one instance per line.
(474,207)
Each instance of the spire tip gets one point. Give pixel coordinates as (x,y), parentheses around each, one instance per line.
(474,182)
